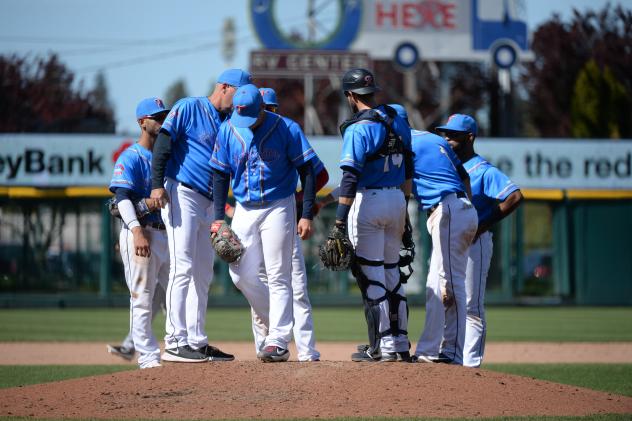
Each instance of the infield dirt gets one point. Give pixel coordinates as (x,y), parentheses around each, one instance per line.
(326,389)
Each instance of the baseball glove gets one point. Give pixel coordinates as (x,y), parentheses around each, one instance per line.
(225,242)
(140,207)
(336,252)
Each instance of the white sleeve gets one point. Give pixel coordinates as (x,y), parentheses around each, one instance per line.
(128,213)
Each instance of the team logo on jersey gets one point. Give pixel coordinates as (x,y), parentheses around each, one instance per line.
(119,169)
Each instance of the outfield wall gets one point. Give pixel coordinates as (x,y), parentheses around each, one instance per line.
(567,244)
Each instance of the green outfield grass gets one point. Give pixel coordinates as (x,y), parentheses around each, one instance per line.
(613,378)
(559,324)
(22,375)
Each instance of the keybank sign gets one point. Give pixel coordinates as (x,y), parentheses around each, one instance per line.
(88,160)
(58,160)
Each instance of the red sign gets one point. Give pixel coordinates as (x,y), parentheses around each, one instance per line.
(432,14)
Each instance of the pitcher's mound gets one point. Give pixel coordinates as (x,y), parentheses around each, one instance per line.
(305,390)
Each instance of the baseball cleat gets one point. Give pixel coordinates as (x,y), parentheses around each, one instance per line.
(215,354)
(365,356)
(121,351)
(274,354)
(184,354)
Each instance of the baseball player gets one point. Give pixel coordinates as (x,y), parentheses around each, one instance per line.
(376,181)
(303,322)
(182,182)
(142,241)
(441,186)
(257,150)
(494,196)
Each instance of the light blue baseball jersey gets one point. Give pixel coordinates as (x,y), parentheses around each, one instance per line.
(299,136)
(192,124)
(132,171)
(363,139)
(489,186)
(262,164)
(436,173)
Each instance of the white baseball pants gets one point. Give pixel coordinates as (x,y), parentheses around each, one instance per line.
(144,276)
(478,262)
(267,234)
(187,216)
(375,227)
(157,305)
(452,227)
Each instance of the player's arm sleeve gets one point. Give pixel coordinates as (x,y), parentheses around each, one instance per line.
(308,183)
(160,157)
(348,188)
(307,151)
(221,183)
(126,207)
(497,185)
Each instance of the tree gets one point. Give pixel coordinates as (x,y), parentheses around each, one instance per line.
(562,50)
(39,96)
(599,106)
(177,90)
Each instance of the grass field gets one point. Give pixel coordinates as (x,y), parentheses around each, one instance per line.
(560,324)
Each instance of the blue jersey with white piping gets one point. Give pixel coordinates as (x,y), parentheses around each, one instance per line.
(363,139)
(489,186)
(132,171)
(192,124)
(262,164)
(436,173)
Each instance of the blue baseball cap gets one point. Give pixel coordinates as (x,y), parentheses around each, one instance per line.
(247,104)
(149,107)
(460,123)
(269,96)
(401,111)
(235,77)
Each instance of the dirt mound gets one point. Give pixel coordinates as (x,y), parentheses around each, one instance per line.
(252,389)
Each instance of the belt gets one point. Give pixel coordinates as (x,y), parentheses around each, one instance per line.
(205,194)
(459,194)
(382,188)
(156,225)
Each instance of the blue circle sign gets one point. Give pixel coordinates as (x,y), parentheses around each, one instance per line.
(406,55)
(504,56)
(277,34)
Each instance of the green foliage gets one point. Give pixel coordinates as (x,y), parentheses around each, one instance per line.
(22,375)
(554,324)
(562,50)
(40,95)
(612,378)
(599,104)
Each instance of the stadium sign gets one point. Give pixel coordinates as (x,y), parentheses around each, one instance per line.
(444,30)
(299,63)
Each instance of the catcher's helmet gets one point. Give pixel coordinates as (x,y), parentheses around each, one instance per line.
(360,81)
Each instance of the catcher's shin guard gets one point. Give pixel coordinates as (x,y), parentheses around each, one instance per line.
(371,307)
(394,301)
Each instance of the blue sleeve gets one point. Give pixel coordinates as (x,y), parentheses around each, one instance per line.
(295,151)
(124,172)
(497,185)
(176,120)
(220,157)
(307,151)
(354,150)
